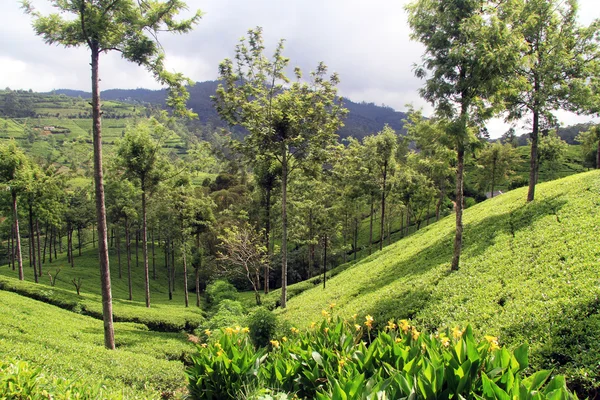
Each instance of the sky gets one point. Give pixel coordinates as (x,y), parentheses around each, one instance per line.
(366,42)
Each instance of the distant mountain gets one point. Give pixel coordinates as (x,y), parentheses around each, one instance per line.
(363,118)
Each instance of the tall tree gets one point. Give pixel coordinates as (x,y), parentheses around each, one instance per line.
(552,70)
(381,149)
(468,53)
(130,28)
(138,153)
(14,169)
(496,162)
(290,123)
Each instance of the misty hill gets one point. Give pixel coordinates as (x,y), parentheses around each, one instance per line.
(363,118)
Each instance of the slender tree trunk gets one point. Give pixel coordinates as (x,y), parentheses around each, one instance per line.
(459,208)
(408,221)
(371,225)
(45,245)
(109,334)
(324,260)
(267,239)
(79,240)
(598,151)
(185,277)
(39,254)
(52,243)
(534,155)
(32,254)
(284,222)
(382,222)
(12,246)
(345,235)
(197,278)
(173,265)
(128,249)
(145,244)
(355,237)
(94,236)
(153,256)
(119,253)
(137,246)
(167,251)
(311,246)
(60,243)
(71,248)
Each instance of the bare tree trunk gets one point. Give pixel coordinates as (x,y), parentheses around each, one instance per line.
(173,265)
(167,251)
(109,334)
(371,225)
(45,245)
(355,237)
(382,222)
(324,260)
(17,235)
(284,222)
(185,277)
(267,239)
(12,246)
(153,257)
(311,246)
(119,252)
(71,248)
(345,234)
(128,248)
(197,287)
(32,254)
(79,240)
(534,150)
(459,208)
(145,245)
(137,246)
(39,254)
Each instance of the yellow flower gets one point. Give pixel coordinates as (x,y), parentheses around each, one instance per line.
(207,332)
(326,330)
(358,327)
(404,325)
(493,341)
(203,345)
(246,330)
(457,332)
(445,342)
(324,313)
(398,340)
(294,330)
(331,306)
(275,343)
(415,333)
(355,316)
(369,321)
(284,339)
(219,353)
(229,331)
(342,362)
(237,329)
(312,325)
(218,345)
(391,325)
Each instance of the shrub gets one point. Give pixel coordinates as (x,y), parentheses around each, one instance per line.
(331,361)
(229,313)
(262,324)
(220,290)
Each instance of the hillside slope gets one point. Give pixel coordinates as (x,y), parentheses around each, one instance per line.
(529,272)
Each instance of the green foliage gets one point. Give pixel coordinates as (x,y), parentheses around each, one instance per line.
(526,277)
(228,313)
(332,361)
(68,345)
(18,380)
(220,290)
(262,324)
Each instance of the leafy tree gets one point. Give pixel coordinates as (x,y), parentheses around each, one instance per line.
(550,152)
(288,123)
(496,161)
(381,149)
(138,154)
(14,170)
(590,145)
(130,28)
(468,52)
(552,70)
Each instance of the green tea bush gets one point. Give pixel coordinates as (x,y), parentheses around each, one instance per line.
(332,361)
(262,324)
(18,380)
(220,290)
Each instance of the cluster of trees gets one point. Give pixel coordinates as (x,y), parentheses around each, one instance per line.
(482,58)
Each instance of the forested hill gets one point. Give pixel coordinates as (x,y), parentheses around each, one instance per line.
(363,118)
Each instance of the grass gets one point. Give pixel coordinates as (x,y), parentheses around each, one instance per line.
(145,365)
(529,272)
(164,314)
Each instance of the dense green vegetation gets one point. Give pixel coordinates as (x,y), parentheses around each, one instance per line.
(527,275)
(70,346)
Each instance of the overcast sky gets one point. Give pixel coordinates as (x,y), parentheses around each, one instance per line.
(366,42)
